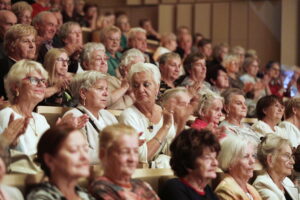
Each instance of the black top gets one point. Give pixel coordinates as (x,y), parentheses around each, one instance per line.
(5,64)
(287,196)
(175,189)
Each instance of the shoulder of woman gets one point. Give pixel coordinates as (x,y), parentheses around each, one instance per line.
(44,191)
(108,115)
(12,192)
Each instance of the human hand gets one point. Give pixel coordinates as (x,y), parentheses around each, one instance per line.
(14,129)
(73,122)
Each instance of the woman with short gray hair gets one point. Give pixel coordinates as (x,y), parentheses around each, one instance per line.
(90,90)
(276,156)
(237,159)
(154,124)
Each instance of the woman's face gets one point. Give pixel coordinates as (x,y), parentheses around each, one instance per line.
(274,72)
(233,67)
(25,47)
(97,62)
(75,36)
(144,87)
(274,112)
(122,158)
(97,95)
(72,159)
(237,107)
(206,165)
(207,50)
(283,162)
(112,42)
(171,69)
(33,87)
(244,166)
(25,17)
(222,81)
(198,69)
(213,113)
(253,68)
(61,64)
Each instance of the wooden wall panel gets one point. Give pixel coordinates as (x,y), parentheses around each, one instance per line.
(289,32)
(239,24)
(262,36)
(166,16)
(151,2)
(220,23)
(184,15)
(169,1)
(134,2)
(202,19)
(186,1)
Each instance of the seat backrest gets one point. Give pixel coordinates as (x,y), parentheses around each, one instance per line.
(52,113)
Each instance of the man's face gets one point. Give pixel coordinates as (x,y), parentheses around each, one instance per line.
(5,4)
(47,28)
(9,19)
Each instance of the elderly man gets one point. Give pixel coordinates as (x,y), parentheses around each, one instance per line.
(137,39)
(46,25)
(7,19)
(184,47)
(5,4)
(111,37)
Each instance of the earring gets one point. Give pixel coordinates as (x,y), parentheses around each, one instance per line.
(84,101)
(17,93)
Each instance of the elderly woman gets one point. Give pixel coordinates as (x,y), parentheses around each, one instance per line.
(269,111)
(217,76)
(291,123)
(231,64)
(63,155)
(219,52)
(94,58)
(91,91)
(154,125)
(273,72)
(129,58)
(236,109)
(168,44)
(194,161)
(111,37)
(209,113)
(240,53)
(71,35)
(237,159)
(118,153)
(19,43)
(56,63)
(25,86)
(6,192)
(276,156)
(23,11)
(195,69)
(169,66)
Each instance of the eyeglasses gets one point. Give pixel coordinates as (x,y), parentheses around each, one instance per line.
(102,59)
(63,60)
(288,157)
(36,81)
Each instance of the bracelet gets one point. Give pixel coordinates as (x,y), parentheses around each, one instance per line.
(160,142)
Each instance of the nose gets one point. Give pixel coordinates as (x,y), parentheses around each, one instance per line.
(215,162)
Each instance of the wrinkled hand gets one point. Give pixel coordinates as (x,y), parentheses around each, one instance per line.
(124,83)
(14,129)
(167,117)
(73,122)
(193,89)
(248,87)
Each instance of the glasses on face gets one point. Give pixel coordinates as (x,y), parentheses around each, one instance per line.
(103,59)
(67,61)
(36,81)
(288,157)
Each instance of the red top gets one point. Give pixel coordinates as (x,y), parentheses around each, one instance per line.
(201,193)
(200,124)
(37,8)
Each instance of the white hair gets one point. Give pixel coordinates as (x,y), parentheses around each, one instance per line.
(229,58)
(170,93)
(89,48)
(18,72)
(84,80)
(130,55)
(133,31)
(145,67)
(232,150)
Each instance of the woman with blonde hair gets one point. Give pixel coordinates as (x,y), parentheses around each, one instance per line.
(118,153)
(231,64)
(23,11)
(56,63)
(291,123)
(276,156)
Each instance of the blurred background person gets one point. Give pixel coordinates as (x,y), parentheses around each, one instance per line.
(217,77)
(68,10)
(168,43)
(205,48)
(63,156)
(237,159)
(122,22)
(23,12)
(276,156)
(194,162)
(218,54)
(118,153)
(184,47)
(151,33)
(240,52)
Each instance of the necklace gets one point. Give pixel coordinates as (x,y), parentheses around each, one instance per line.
(33,126)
